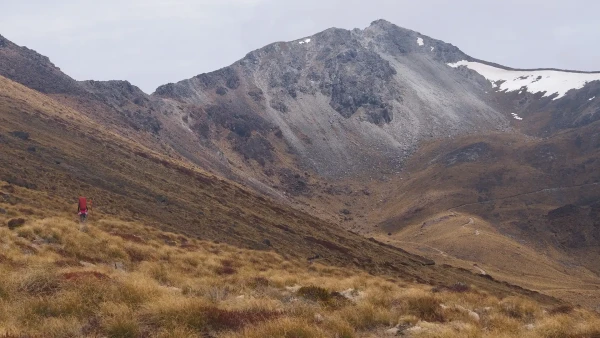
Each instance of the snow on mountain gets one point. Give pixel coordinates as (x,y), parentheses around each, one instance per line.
(420,41)
(533,81)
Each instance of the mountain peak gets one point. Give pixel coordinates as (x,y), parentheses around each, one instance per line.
(388,26)
(33,70)
(381,22)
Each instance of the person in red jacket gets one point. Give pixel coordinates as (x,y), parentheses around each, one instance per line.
(82,209)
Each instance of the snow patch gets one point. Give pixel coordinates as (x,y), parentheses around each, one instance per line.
(304,41)
(420,41)
(516,117)
(549,82)
(432,48)
(591,98)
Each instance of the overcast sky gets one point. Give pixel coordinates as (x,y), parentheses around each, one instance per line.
(153,42)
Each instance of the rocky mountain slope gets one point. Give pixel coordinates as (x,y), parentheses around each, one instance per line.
(343,102)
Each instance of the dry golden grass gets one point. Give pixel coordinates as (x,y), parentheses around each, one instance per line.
(123,279)
(464,240)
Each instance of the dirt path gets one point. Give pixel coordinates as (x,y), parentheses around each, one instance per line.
(425,245)
(479,269)
(524,194)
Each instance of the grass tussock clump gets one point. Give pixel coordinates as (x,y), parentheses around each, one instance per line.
(426,306)
(519,308)
(284,328)
(39,281)
(199,315)
(323,296)
(122,279)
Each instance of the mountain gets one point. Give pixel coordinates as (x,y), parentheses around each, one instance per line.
(331,99)
(52,153)
(383,131)
(340,117)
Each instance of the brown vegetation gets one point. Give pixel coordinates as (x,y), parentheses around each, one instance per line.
(152,289)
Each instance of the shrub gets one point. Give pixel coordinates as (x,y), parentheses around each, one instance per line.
(160,273)
(323,296)
(459,287)
(259,282)
(15,223)
(426,307)
(559,326)
(561,309)
(42,307)
(39,282)
(226,268)
(178,332)
(198,316)
(118,321)
(314,293)
(285,328)
(122,327)
(60,327)
(519,308)
(497,322)
(368,316)
(138,253)
(219,319)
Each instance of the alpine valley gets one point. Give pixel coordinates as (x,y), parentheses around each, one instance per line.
(378,149)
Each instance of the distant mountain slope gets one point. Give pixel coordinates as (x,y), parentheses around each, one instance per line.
(33,70)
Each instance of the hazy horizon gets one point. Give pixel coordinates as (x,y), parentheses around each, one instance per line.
(150,43)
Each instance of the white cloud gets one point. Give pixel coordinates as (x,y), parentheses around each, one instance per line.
(69,16)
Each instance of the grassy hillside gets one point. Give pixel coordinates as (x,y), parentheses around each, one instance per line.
(534,205)
(524,209)
(114,278)
(470,242)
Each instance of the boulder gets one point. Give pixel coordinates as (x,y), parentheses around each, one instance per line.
(392,332)
(474,315)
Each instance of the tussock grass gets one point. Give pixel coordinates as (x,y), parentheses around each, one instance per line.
(122,279)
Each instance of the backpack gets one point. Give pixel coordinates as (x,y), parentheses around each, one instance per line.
(82,204)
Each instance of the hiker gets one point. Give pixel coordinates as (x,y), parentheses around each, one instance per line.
(82,209)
